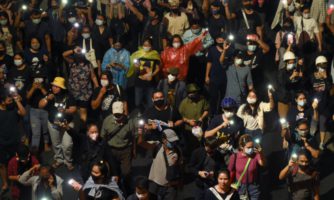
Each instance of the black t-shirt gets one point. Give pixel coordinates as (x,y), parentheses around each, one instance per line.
(157,33)
(146,64)
(36,97)
(253,62)
(109,98)
(208,195)
(35,30)
(254,21)
(106,194)
(21,79)
(216,26)
(294,115)
(9,131)
(6,64)
(60,101)
(101,40)
(29,56)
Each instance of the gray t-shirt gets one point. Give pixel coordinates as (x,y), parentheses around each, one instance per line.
(302,185)
(238,80)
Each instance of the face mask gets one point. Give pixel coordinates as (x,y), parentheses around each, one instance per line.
(306,15)
(251,100)
(146,49)
(120,119)
(159,103)
(85,35)
(35,46)
(320,69)
(249,7)
(176,45)
(249,151)
(220,44)
(290,66)
(140,196)
(38,80)
(99,22)
(18,62)
(194,97)
(36,21)
(93,136)
(215,12)
(251,48)
(171,78)
(10,106)
(104,83)
(3,22)
(301,103)
(169,145)
(72,20)
(238,61)
(228,115)
(196,31)
(95,178)
(303,167)
(291,8)
(175,10)
(302,133)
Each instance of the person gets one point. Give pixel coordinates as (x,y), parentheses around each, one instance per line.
(178,55)
(194,110)
(159,117)
(104,96)
(217,21)
(44,185)
(302,137)
(142,192)
(253,155)
(227,127)
(100,184)
(11,109)
(145,67)
(117,61)
(299,170)
(165,173)
(239,79)
(5,59)
(61,107)
(223,189)
(81,77)
(88,147)
(8,34)
(176,21)
(174,90)
(119,133)
(17,165)
(203,164)
(321,85)
(219,56)
(35,51)
(252,113)
(197,62)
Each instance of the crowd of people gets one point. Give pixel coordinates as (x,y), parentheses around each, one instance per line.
(188,85)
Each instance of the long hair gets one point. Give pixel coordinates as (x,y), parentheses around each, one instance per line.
(248,109)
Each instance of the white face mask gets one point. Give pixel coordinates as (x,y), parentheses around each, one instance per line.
(320,69)
(306,15)
(251,48)
(176,45)
(93,136)
(291,8)
(140,196)
(72,20)
(113,1)
(228,115)
(251,100)
(301,103)
(290,66)
(238,61)
(146,49)
(171,77)
(99,22)
(104,83)
(85,35)
(36,21)
(38,80)
(18,62)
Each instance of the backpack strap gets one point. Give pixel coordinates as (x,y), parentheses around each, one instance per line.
(245,19)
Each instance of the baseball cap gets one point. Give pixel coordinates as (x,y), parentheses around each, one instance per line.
(117,107)
(170,135)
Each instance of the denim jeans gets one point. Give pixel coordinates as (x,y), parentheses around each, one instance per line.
(253,191)
(143,93)
(62,144)
(39,126)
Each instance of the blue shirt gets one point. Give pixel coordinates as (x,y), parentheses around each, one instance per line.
(121,57)
(189,36)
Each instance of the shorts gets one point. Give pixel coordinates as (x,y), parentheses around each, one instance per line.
(7,152)
(82,104)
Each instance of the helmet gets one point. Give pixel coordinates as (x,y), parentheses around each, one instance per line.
(228,102)
(289,56)
(320,59)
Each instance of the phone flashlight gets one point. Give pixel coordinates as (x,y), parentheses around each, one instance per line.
(76,25)
(59,115)
(283,121)
(231,122)
(141,122)
(230,37)
(64,2)
(136,61)
(83,51)
(315,100)
(257,141)
(90,1)
(12,89)
(24,7)
(294,157)
(285,2)
(71,181)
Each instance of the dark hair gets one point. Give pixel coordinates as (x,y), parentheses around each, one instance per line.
(224,171)
(176,36)
(20,54)
(142,183)
(90,125)
(298,93)
(104,169)
(3,43)
(248,110)
(301,122)
(39,41)
(147,39)
(156,91)
(109,76)
(244,139)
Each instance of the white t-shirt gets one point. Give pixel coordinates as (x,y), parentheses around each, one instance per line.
(310,26)
(254,123)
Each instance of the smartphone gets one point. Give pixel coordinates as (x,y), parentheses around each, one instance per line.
(290,38)
(71,181)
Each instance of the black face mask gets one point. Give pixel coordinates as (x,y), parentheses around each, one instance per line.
(249,6)
(95,178)
(121,119)
(10,106)
(159,103)
(303,167)
(194,97)
(220,44)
